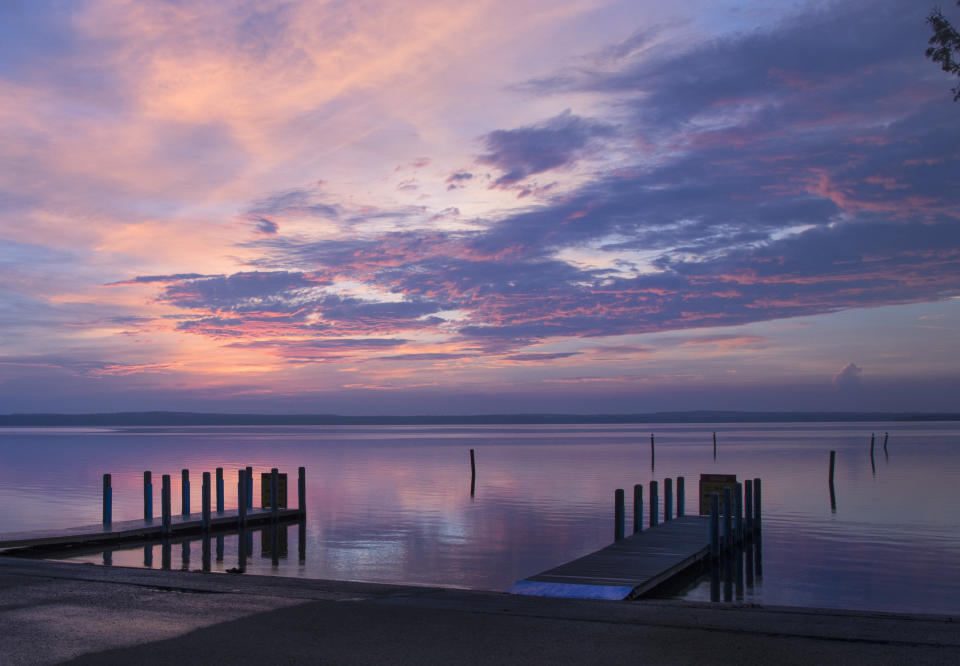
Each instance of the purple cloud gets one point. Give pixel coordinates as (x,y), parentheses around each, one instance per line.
(525,151)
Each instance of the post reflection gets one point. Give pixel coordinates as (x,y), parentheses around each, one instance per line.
(165,554)
(205,554)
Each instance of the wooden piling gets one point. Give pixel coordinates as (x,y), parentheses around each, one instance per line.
(147,496)
(714,445)
(873,436)
(274,494)
(185,492)
(637,508)
(738,513)
(748,507)
(652,452)
(727,518)
(242,490)
(107,500)
(756,506)
(205,507)
(886,436)
(302,490)
(667,499)
(165,506)
(654,505)
(473,474)
(220,502)
(833,494)
(714,525)
(249,494)
(618,515)
(681,499)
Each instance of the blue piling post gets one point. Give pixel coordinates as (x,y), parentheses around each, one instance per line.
(637,508)
(205,506)
(618,515)
(147,496)
(714,525)
(654,505)
(756,505)
(681,499)
(219,490)
(274,494)
(727,514)
(748,507)
(185,492)
(107,500)
(165,506)
(249,487)
(667,499)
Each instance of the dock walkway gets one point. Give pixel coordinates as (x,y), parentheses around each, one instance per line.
(628,568)
(127,530)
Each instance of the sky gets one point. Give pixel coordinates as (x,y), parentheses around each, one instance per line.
(426,207)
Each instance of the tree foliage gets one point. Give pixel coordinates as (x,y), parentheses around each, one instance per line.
(945,45)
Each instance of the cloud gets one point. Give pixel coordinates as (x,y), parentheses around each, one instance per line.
(848,378)
(556,142)
(266,226)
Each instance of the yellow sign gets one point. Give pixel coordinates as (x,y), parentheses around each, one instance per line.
(714,483)
(265,490)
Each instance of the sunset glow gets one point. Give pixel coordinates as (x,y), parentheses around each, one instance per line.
(429,207)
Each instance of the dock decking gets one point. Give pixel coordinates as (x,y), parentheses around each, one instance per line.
(126,530)
(628,568)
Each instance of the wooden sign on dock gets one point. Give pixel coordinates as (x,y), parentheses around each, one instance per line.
(714,483)
(265,490)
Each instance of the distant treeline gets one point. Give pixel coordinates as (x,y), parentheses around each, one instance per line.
(198,419)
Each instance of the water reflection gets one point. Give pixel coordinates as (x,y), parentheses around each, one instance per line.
(387,504)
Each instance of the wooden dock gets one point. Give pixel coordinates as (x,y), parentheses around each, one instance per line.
(119,531)
(628,568)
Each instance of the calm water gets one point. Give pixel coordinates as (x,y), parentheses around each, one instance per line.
(393,504)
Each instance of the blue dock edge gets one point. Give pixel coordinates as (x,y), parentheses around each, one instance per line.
(570,590)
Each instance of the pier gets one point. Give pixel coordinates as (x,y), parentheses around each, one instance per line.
(273,509)
(634,565)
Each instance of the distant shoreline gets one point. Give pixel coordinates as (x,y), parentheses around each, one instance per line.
(215,419)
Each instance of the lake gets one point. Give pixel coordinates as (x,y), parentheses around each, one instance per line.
(393,503)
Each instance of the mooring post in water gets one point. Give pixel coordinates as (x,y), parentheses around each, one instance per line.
(714,525)
(302,490)
(756,505)
(833,494)
(727,515)
(886,436)
(185,492)
(205,507)
(473,473)
(654,505)
(147,496)
(274,494)
(165,506)
(651,451)
(748,507)
(738,512)
(714,445)
(618,515)
(681,500)
(249,494)
(219,490)
(637,508)
(242,497)
(667,499)
(107,500)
